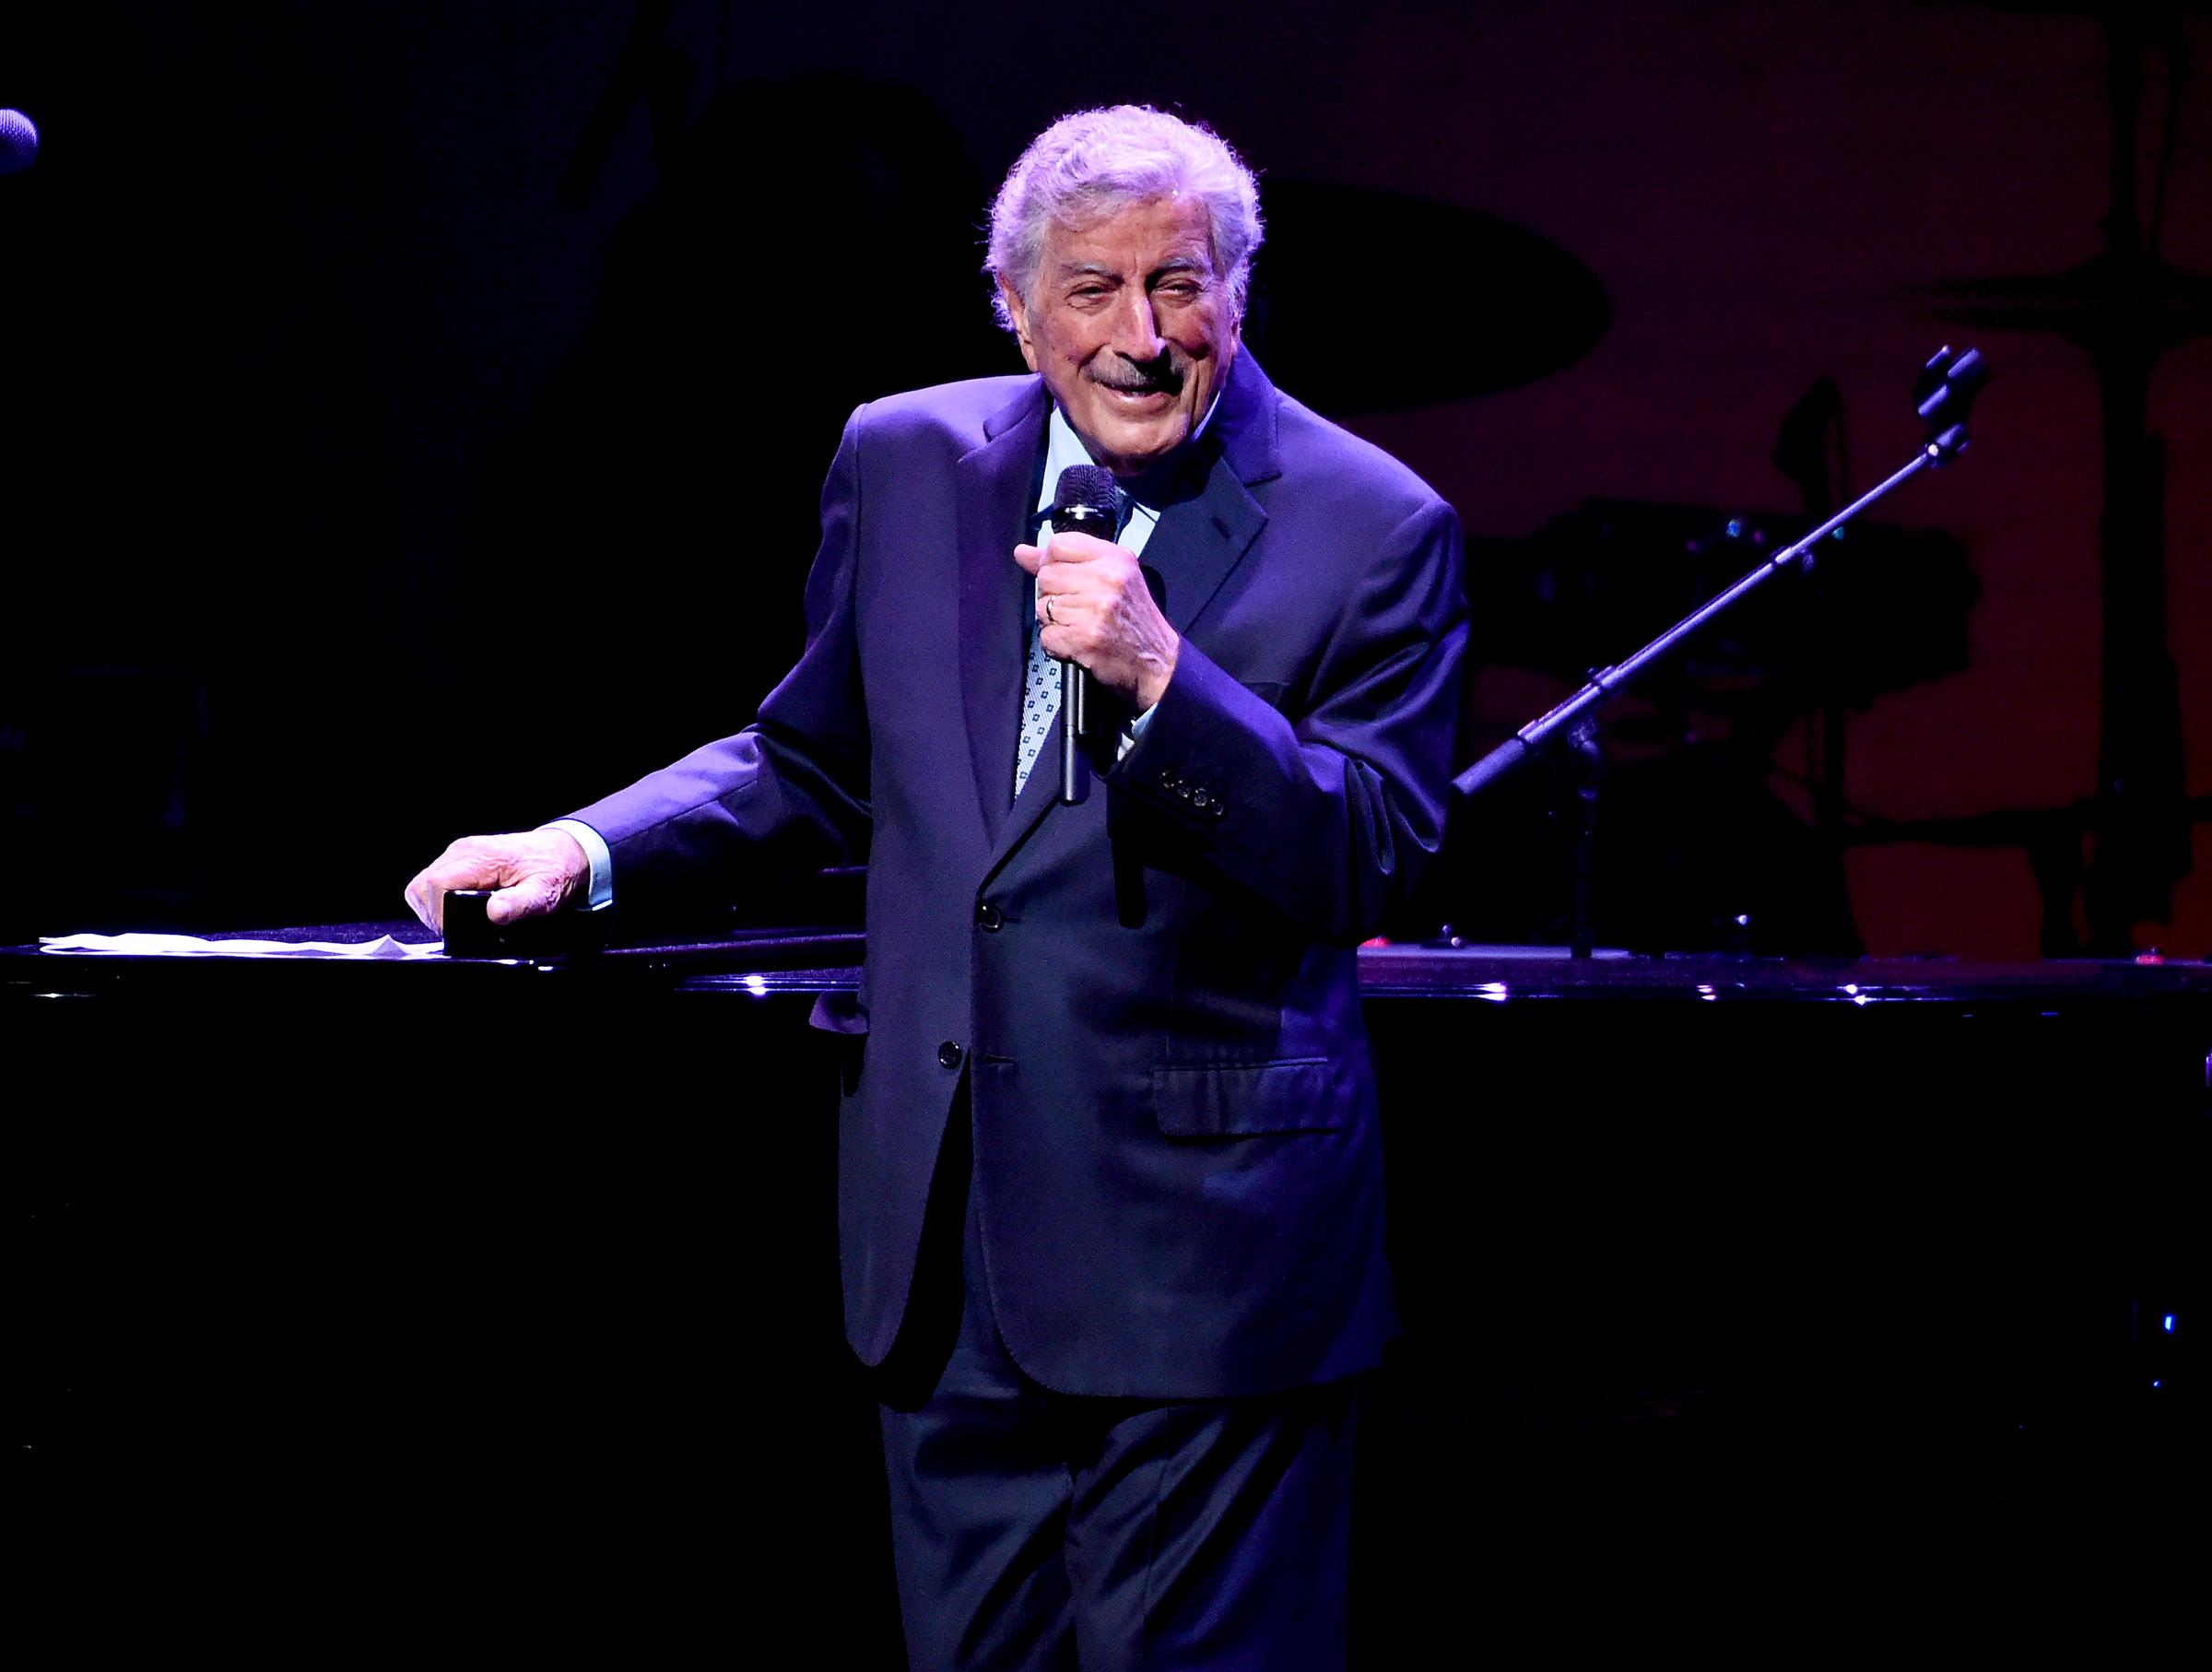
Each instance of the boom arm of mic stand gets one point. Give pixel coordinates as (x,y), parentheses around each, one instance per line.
(1532,739)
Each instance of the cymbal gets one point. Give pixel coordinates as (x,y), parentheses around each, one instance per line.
(1338,260)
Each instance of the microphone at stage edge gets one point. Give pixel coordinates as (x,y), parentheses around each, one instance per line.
(18,142)
(1083,502)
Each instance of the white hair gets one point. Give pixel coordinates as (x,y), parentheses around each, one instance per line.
(1093,162)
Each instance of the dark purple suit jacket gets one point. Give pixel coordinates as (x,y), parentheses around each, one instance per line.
(1153,992)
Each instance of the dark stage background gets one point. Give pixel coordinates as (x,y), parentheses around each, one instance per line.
(411,417)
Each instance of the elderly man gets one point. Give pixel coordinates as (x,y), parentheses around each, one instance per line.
(1110,1053)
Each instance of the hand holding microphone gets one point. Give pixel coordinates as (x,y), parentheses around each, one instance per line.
(1094,611)
(1083,502)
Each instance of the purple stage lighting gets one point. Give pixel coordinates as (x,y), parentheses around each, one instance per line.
(18,142)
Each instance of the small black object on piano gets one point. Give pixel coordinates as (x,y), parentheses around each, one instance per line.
(470,933)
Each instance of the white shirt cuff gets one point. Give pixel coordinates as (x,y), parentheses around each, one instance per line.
(603,863)
(1131,732)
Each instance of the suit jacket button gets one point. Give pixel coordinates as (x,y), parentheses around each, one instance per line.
(1200,799)
(1219,806)
(949,1054)
(1184,790)
(988,916)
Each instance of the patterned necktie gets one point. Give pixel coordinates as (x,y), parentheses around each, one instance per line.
(1041,692)
(1040,703)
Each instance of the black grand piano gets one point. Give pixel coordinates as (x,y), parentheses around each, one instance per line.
(368,1298)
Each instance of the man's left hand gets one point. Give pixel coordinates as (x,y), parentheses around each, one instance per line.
(1093,608)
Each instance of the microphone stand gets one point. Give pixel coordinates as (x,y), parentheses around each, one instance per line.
(1943,398)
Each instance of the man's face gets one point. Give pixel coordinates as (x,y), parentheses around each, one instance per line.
(1131,327)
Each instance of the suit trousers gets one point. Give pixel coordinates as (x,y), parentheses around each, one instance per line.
(1036,1529)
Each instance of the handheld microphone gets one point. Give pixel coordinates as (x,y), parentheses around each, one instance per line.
(1083,502)
(18,142)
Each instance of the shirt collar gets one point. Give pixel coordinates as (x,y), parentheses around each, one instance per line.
(1063,448)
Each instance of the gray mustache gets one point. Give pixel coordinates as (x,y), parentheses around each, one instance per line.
(1167,381)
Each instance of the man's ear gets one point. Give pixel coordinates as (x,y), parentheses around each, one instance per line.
(1021,312)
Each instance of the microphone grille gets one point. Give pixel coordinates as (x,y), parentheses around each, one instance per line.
(1088,488)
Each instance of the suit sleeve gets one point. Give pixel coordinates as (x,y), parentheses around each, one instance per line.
(1330,813)
(789,793)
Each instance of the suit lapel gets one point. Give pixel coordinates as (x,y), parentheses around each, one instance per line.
(995,485)
(1201,539)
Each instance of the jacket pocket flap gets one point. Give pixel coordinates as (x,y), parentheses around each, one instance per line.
(1240,1100)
